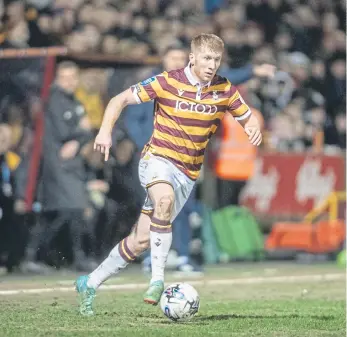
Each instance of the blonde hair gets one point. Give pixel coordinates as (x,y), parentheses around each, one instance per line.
(210,41)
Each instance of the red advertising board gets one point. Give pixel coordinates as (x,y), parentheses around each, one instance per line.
(292,184)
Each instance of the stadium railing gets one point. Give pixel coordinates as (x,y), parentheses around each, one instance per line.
(330,204)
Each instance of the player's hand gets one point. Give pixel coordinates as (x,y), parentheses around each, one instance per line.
(264,70)
(69,149)
(98,185)
(254,135)
(103,143)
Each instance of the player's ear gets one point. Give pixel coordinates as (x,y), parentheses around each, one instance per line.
(191,58)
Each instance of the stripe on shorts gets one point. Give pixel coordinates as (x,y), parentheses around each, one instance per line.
(148,212)
(158,182)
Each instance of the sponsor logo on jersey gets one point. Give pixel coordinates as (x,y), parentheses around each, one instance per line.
(149,80)
(196,107)
(137,88)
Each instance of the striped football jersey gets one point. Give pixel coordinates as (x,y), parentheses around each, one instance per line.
(187,114)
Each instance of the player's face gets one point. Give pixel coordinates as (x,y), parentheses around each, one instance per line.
(175,59)
(68,79)
(205,63)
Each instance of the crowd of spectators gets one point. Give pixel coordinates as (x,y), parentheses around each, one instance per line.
(304,105)
(305,39)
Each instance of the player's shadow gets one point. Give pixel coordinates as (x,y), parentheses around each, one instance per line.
(194,321)
(235,316)
(204,320)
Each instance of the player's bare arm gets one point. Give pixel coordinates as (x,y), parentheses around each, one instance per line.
(103,140)
(253,129)
(243,114)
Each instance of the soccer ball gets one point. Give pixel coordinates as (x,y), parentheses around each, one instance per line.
(180,302)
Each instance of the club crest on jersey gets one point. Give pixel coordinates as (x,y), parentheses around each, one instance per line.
(215,95)
(149,80)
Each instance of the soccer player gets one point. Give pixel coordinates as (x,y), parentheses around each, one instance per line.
(189,105)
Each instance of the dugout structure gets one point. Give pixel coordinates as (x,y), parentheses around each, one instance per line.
(25,79)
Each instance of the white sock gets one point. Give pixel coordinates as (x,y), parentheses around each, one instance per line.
(161,239)
(118,259)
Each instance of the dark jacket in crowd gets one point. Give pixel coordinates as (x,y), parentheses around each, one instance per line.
(63,181)
(6,188)
(8,165)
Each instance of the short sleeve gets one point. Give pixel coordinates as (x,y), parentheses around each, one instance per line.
(237,106)
(147,90)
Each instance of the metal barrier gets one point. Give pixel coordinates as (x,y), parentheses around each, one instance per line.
(331,204)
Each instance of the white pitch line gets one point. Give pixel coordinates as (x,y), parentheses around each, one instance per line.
(134,286)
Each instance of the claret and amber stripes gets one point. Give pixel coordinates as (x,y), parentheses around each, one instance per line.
(125,252)
(160,226)
(184,121)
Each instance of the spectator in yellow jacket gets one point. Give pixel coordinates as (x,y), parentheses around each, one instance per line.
(88,93)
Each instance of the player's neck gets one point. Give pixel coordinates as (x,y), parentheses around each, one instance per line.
(196,77)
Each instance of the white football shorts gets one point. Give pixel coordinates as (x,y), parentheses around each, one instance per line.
(154,169)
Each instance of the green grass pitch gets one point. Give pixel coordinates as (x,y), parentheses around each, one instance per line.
(277,300)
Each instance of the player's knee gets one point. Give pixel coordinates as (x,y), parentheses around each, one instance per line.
(164,207)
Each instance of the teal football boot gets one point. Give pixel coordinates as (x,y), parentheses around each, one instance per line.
(154,292)
(86,296)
